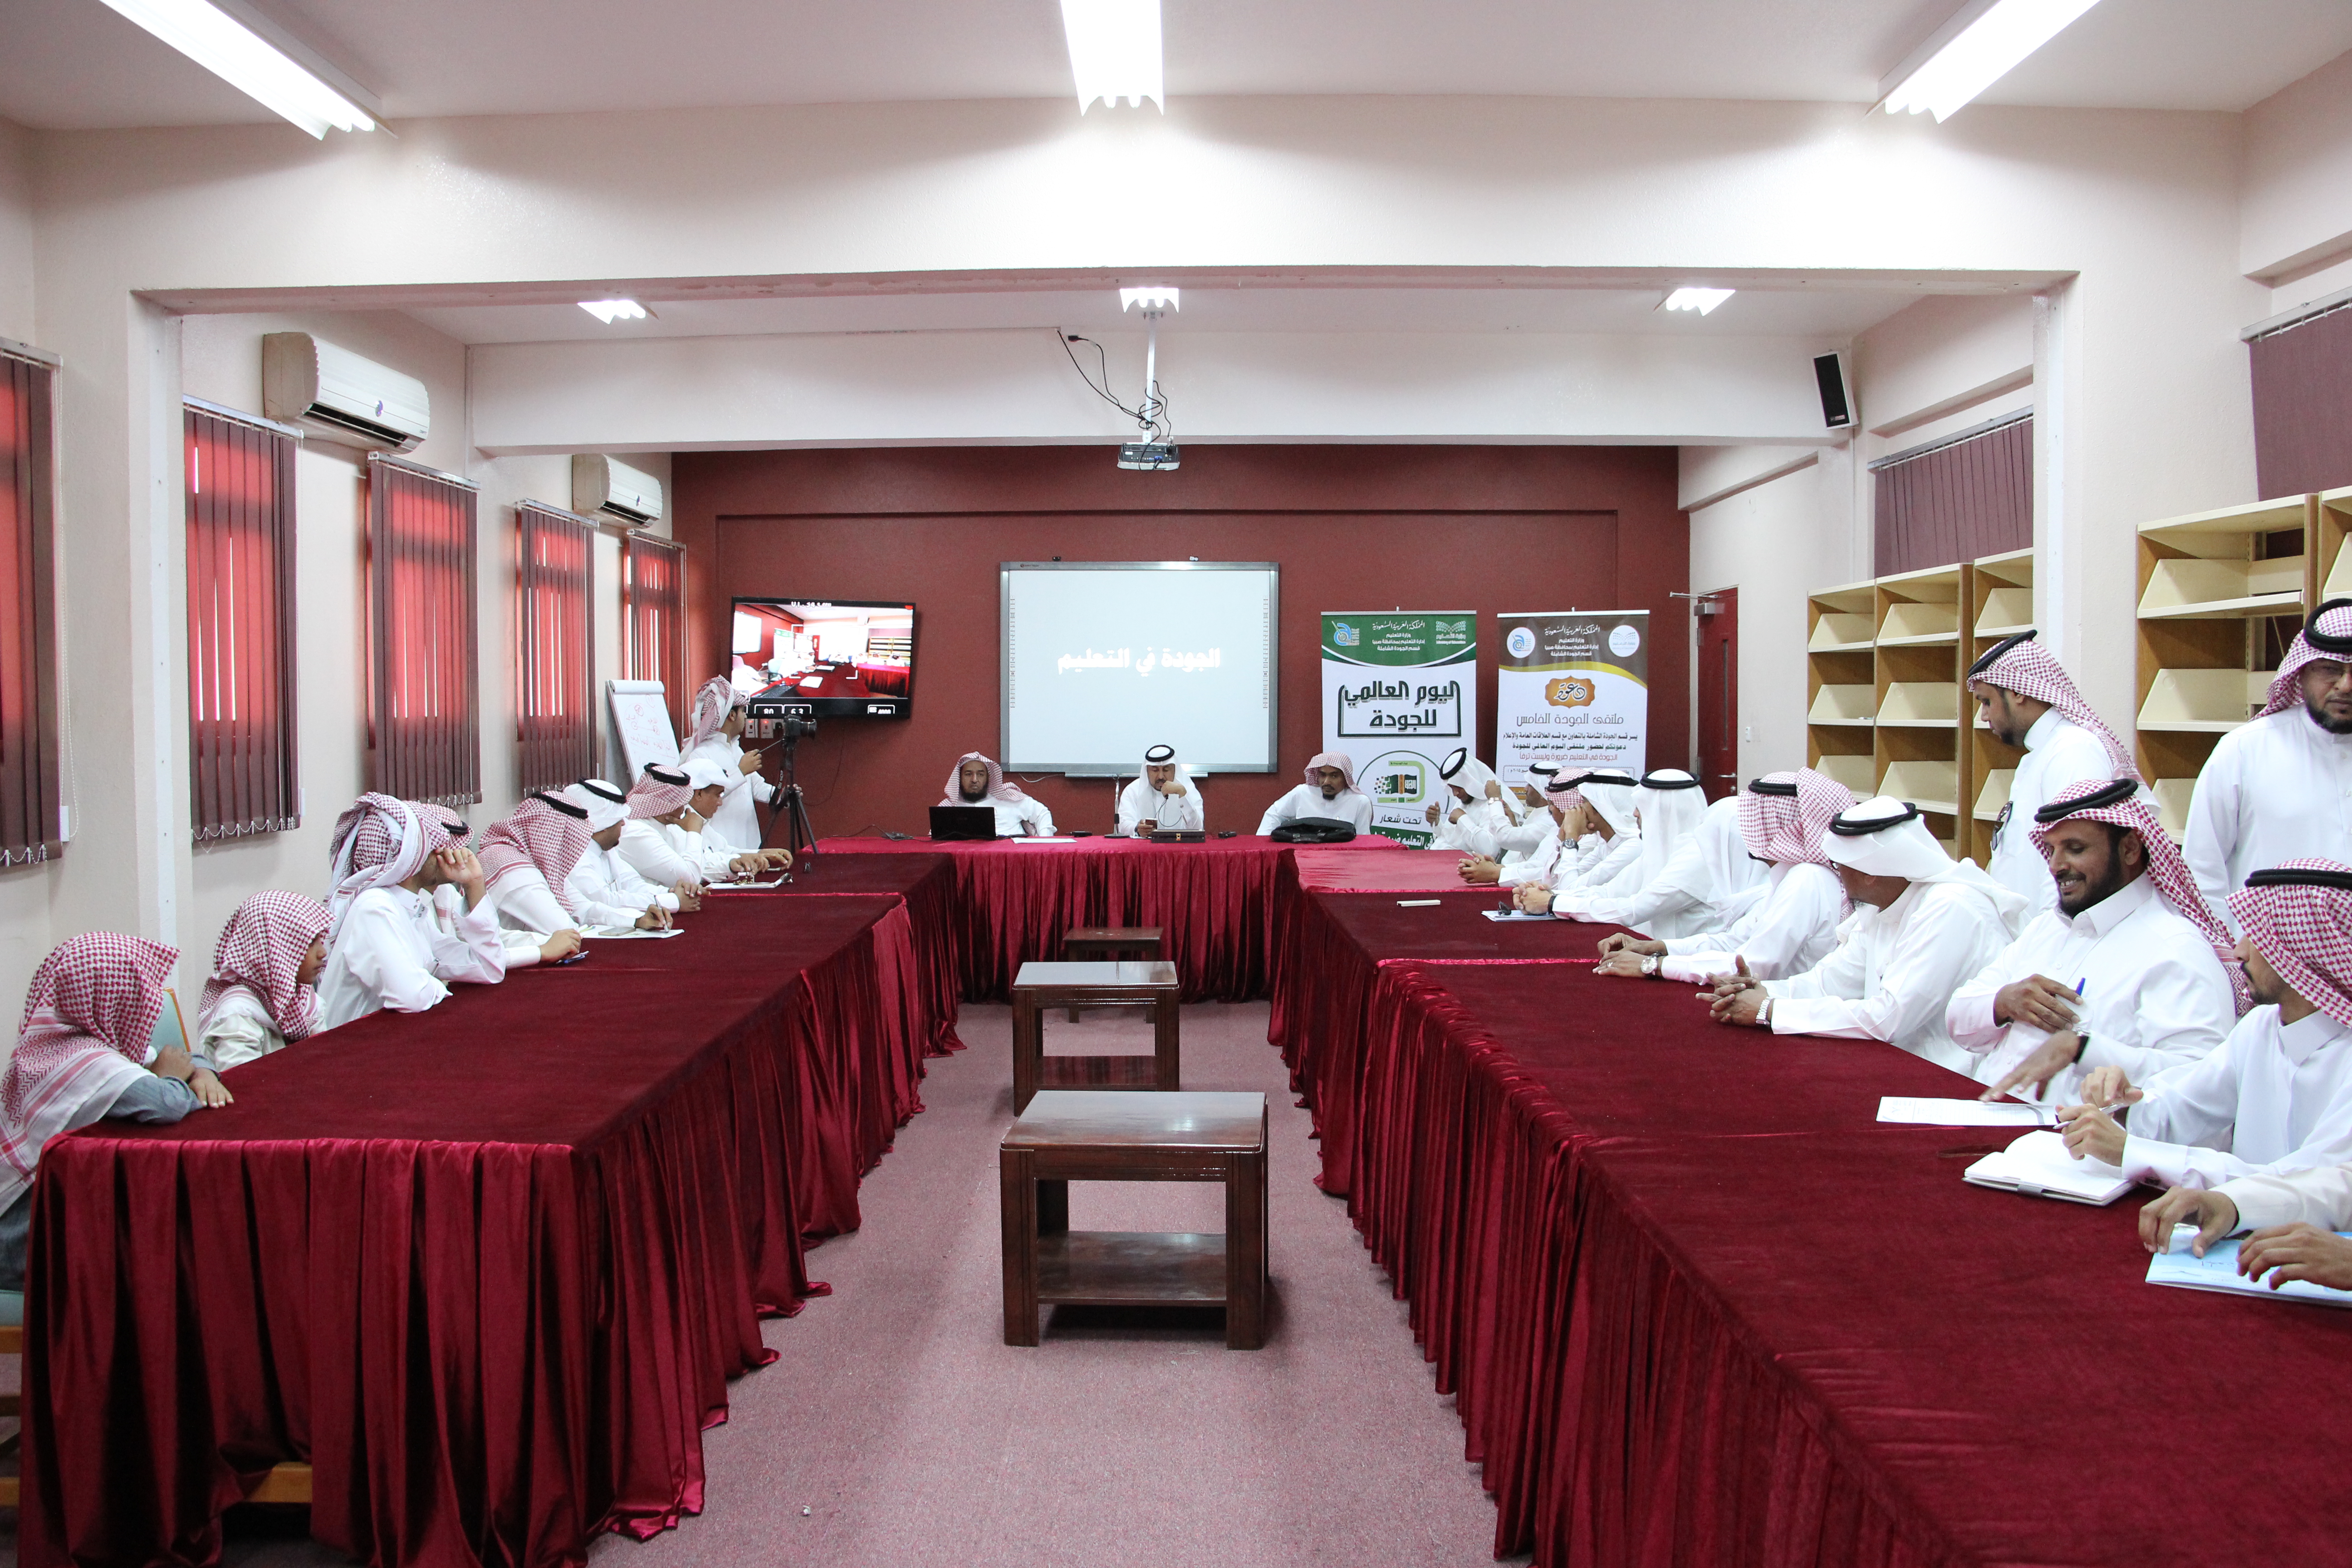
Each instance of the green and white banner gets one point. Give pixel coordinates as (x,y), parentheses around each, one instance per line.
(1572,688)
(1400,691)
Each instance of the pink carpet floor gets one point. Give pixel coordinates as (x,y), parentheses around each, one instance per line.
(897,1428)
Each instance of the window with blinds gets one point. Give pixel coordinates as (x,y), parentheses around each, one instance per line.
(31,806)
(1966,496)
(653,605)
(556,631)
(2303,401)
(424,714)
(243,773)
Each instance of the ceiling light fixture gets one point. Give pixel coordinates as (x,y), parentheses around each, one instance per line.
(1150,298)
(1983,42)
(1113,51)
(1703,300)
(263,68)
(611,311)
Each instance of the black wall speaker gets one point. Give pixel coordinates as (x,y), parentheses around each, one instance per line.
(1836,412)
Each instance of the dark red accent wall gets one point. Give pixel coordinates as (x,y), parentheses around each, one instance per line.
(1487,528)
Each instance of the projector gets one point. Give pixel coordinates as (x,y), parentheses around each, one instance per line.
(1148,455)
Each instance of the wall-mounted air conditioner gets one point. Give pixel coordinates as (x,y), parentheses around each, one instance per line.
(601,485)
(339,396)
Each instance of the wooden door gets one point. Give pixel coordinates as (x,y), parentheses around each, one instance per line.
(1718,692)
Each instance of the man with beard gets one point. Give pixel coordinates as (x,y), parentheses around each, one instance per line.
(2125,971)
(2028,700)
(1330,792)
(2281,786)
(978,781)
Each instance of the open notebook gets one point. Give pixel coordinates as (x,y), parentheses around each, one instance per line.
(2218,1271)
(2038,1165)
(170,1029)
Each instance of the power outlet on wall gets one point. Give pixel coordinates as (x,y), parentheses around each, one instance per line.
(1747,731)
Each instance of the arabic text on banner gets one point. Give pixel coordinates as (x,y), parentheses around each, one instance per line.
(1400,691)
(1573,688)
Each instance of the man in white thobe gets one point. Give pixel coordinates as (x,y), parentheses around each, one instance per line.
(978,780)
(697,836)
(1783,817)
(1161,797)
(659,800)
(2282,786)
(1923,923)
(1613,812)
(605,891)
(2124,972)
(2277,1095)
(1569,844)
(719,714)
(2026,699)
(1686,844)
(1471,812)
(385,948)
(1329,793)
(1534,822)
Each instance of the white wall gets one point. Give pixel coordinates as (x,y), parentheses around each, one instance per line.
(2296,213)
(16,233)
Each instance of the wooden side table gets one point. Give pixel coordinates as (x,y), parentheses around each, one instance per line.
(1110,942)
(1039,986)
(1068,1135)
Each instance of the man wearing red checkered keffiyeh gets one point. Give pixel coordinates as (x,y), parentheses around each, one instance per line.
(86,1049)
(527,859)
(263,991)
(2129,969)
(1793,926)
(2277,1095)
(2280,787)
(387,944)
(720,714)
(1556,840)
(2027,699)
(662,798)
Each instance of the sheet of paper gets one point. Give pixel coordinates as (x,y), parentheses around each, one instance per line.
(2039,1166)
(775,881)
(1961,1112)
(1514,915)
(1049,839)
(2218,1271)
(624,933)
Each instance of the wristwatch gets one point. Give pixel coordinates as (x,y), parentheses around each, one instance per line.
(2081,1044)
(1764,1014)
(1650,965)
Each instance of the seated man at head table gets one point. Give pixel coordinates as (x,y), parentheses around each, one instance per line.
(2280,786)
(387,945)
(1161,798)
(1783,818)
(2027,699)
(2277,1095)
(87,1050)
(978,780)
(1694,874)
(697,836)
(1471,812)
(264,987)
(1329,793)
(720,714)
(1923,924)
(603,891)
(2148,987)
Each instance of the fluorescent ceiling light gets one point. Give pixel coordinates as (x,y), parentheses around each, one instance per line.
(1113,51)
(1703,300)
(1150,298)
(611,311)
(1981,45)
(246,60)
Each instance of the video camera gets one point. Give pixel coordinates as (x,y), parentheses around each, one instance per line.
(772,719)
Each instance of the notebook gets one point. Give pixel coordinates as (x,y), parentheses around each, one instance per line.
(2038,1165)
(2218,1271)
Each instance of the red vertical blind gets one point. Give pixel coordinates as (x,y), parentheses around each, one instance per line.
(241,659)
(2303,403)
(424,711)
(31,819)
(555,623)
(653,605)
(1955,500)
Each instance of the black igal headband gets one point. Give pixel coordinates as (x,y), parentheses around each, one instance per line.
(2105,795)
(1992,655)
(1845,829)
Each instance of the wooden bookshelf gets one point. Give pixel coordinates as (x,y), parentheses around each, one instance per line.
(2220,596)
(1841,684)
(1915,668)
(2332,564)
(2001,592)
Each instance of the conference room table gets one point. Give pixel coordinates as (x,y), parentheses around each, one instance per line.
(1696,1305)
(488,1268)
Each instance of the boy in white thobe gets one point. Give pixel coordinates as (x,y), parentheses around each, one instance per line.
(720,713)
(385,947)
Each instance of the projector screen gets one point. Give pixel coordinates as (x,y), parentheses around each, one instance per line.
(1103,659)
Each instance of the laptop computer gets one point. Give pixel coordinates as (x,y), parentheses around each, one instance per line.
(953,823)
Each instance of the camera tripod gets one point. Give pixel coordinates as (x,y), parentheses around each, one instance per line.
(791,807)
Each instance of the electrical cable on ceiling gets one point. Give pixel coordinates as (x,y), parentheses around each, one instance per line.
(1152,413)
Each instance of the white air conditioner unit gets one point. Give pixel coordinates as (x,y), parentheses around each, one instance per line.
(599,484)
(339,396)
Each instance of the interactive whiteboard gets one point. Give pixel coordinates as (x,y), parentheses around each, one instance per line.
(1103,659)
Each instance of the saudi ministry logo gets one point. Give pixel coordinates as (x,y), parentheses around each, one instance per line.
(1345,636)
(1521,642)
(1458,629)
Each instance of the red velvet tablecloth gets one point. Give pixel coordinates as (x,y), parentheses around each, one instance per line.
(1214,900)
(927,884)
(487,1269)
(1698,1307)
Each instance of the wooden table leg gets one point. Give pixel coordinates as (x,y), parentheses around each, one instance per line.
(1245,1247)
(1028,1050)
(1016,1175)
(1168,1071)
(1052,1207)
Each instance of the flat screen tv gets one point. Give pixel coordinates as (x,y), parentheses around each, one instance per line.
(832,659)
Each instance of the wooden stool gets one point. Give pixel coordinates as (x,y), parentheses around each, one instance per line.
(1042,985)
(1110,942)
(1089,1136)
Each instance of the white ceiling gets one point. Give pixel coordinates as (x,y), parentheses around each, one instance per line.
(76,64)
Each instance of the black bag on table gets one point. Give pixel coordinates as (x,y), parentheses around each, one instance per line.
(1314,831)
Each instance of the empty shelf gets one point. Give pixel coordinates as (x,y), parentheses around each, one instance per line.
(2172,797)
(1858,773)
(1839,632)
(1995,794)
(2205,700)
(1919,623)
(2189,587)
(1921,702)
(1930,786)
(1843,705)
(2007,611)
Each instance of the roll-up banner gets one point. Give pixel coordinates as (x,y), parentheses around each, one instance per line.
(1572,688)
(1400,691)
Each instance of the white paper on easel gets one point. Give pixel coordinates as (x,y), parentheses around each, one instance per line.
(641,727)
